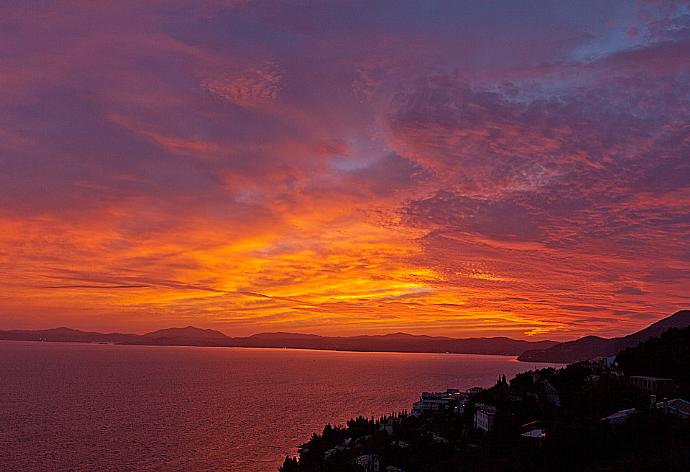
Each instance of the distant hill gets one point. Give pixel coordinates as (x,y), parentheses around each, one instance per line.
(398,342)
(184,336)
(591,347)
(281,337)
(191,336)
(63,334)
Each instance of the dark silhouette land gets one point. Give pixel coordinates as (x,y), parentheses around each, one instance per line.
(585,348)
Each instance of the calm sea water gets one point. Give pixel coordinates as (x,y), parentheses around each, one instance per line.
(102,407)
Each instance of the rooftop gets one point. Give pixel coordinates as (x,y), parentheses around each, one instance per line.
(679,404)
(620,414)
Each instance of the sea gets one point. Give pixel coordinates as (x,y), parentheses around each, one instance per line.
(73,407)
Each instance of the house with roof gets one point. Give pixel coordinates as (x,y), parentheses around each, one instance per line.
(676,407)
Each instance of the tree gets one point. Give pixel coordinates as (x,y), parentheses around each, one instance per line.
(289,465)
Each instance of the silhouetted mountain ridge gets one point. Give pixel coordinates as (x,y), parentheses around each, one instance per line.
(192,336)
(584,348)
(64,334)
(188,332)
(591,347)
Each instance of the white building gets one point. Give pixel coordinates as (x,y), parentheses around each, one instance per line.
(484,417)
(451,399)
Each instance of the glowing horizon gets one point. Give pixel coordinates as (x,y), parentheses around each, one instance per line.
(446,168)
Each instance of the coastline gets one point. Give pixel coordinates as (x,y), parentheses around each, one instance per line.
(279,348)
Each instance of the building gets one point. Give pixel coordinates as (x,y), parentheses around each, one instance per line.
(452,399)
(535,431)
(676,407)
(606,362)
(389,425)
(534,434)
(651,384)
(484,417)
(619,417)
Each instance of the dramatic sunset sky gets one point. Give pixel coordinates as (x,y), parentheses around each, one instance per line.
(461,168)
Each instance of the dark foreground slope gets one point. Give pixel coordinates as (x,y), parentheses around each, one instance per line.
(570,411)
(667,356)
(591,347)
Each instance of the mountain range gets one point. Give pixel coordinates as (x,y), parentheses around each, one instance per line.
(529,351)
(191,336)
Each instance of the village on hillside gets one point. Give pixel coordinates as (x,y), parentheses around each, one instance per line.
(609,413)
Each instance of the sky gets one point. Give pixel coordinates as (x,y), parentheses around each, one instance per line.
(458,168)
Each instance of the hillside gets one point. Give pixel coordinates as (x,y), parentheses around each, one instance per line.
(666,356)
(543,420)
(591,347)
